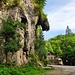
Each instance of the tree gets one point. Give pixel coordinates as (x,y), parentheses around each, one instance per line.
(55,43)
(68,48)
(40,44)
(48,46)
(64,46)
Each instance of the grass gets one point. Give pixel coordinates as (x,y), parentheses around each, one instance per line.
(28,69)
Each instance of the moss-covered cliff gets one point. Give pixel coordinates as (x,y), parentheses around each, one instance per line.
(31,15)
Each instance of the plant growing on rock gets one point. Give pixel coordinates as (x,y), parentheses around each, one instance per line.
(40,45)
(11,37)
(10,2)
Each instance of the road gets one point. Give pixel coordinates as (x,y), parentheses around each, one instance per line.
(61,70)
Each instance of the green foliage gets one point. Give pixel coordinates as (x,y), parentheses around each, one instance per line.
(16,2)
(40,3)
(39,8)
(18,23)
(10,2)
(40,45)
(43,15)
(64,46)
(68,47)
(55,43)
(34,58)
(33,22)
(28,69)
(11,37)
(12,46)
(48,46)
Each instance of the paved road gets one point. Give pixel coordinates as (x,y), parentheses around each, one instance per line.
(69,69)
(61,70)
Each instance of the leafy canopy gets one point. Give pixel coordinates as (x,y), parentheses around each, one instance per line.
(64,46)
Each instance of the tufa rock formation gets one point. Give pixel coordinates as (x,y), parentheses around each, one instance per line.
(25,13)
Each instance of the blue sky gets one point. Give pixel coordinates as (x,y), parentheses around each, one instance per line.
(60,13)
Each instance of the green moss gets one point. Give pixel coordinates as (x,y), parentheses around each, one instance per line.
(10,2)
(33,22)
(43,15)
(16,2)
(39,6)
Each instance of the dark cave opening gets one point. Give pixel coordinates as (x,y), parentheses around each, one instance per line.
(23,20)
(26,52)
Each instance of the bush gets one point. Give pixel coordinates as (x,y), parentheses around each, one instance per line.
(11,36)
(34,58)
(28,69)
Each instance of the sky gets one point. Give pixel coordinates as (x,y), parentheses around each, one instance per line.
(60,14)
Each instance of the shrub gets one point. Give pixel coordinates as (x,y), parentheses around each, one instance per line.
(11,36)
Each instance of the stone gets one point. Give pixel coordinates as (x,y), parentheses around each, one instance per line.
(24,12)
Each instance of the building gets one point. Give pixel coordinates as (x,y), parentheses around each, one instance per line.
(54,60)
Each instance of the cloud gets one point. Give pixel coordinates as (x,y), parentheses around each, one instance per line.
(62,17)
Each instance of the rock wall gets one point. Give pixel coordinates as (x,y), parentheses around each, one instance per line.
(25,13)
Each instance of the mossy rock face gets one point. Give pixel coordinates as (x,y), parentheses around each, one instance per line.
(25,14)
(9,2)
